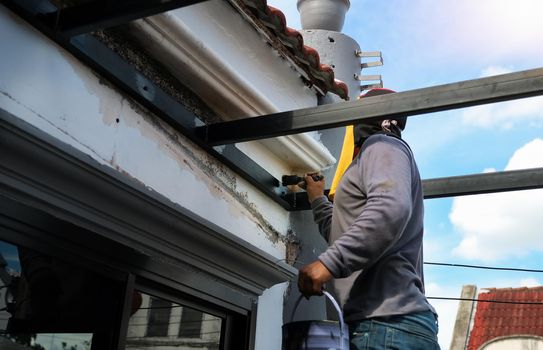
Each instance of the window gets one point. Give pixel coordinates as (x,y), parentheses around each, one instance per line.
(159,318)
(47,303)
(157,323)
(63,287)
(191,323)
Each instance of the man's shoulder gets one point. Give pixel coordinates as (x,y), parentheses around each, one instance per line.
(385,140)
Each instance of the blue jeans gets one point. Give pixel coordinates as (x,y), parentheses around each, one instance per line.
(416,331)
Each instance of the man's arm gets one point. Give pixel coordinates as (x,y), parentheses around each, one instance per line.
(312,277)
(320,205)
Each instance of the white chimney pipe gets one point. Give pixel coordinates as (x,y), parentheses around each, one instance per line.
(323,14)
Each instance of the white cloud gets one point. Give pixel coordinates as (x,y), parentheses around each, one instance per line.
(529,282)
(495,70)
(479,30)
(509,282)
(506,114)
(501,225)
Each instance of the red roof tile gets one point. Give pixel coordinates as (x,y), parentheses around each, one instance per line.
(271,23)
(505,319)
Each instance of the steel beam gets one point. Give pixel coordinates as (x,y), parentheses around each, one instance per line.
(432,99)
(503,181)
(100,14)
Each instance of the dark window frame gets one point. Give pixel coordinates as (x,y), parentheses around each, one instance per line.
(158,319)
(20,226)
(191,323)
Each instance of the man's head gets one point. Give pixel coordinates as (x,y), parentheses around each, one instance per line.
(363,130)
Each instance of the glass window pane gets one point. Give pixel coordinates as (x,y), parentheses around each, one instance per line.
(159,318)
(49,304)
(191,323)
(158,324)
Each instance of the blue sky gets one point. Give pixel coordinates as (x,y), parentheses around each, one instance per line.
(426,43)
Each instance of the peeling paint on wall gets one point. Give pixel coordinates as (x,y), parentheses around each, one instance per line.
(118,41)
(221,181)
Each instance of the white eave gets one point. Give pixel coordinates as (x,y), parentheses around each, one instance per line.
(211,49)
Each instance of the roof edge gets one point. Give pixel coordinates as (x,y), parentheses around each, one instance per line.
(271,23)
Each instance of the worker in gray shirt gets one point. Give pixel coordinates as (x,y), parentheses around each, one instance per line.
(374,264)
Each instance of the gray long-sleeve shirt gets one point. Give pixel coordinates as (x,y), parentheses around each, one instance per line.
(375,230)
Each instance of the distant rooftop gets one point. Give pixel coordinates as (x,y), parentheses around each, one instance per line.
(494,320)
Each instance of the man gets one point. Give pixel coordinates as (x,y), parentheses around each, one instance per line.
(374,228)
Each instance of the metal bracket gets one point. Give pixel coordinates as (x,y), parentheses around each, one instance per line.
(363,65)
(364,87)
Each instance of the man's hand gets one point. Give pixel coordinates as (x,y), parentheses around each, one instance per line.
(315,189)
(312,277)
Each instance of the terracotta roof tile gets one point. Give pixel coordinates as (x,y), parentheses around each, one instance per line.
(271,22)
(501,319)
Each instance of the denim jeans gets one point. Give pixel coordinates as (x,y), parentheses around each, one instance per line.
(416,331)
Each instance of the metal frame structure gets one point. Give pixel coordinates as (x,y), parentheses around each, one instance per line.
(61,25)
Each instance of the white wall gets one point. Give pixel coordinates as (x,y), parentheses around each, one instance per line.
(515,343)
(269,318)
(225,60)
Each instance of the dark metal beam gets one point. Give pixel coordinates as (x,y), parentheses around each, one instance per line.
(513,180)
(100,14)
(432,99)
(503,181)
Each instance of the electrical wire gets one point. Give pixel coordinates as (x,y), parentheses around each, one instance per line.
(482,267)
(453,265)
(472,267)
(489,301)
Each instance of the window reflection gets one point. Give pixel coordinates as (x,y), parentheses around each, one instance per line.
(159,318)
(162,324)
(49,304)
